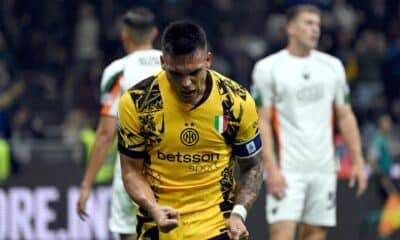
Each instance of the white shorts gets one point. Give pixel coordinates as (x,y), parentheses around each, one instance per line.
(123,209)
(309,198)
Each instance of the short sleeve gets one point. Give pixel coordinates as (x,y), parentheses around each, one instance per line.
(262,88)
(110,89)
(342,95)
(130,141)
(248,142)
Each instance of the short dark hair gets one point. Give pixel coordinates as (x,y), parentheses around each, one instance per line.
(294,12)
(139,23)
(183,37)
(139,18)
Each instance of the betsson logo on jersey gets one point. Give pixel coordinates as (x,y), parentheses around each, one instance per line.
(188,158)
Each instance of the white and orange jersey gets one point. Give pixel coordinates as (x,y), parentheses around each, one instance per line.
(110,87)
(302,92)
(122,74)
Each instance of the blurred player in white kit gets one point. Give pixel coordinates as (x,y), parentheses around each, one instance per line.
(302,93)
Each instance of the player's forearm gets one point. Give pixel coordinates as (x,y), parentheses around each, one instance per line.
(140,191)
(270,163)
(249,182)
(350,133)
(136,184)
(101,148)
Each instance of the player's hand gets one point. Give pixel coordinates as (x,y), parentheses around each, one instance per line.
(276,184)
(358,176)
(236,228)
(167,218)
(81,204)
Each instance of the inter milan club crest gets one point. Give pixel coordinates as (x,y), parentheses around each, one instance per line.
(221,123)
(189,136)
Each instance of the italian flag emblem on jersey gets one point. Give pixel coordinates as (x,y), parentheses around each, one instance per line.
(220,123)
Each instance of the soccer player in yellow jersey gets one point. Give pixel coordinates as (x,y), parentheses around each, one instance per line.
(180,133)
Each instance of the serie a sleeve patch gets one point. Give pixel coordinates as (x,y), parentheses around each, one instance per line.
(248,148)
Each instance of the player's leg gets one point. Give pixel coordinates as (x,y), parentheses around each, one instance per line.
(122,211)
(283,214)
(320,206)
(282,230)
(311,232)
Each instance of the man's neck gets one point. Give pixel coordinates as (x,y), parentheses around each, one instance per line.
(298,51)
(133,48)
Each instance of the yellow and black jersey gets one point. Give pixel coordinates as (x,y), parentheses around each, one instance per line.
(189,151)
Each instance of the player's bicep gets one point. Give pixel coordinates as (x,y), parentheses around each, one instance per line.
(130,164)
(343,111)
(264,115)
(265,125)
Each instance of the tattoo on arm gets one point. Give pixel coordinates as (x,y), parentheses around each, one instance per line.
(250,180)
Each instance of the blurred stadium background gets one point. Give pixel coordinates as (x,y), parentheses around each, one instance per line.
(52,53)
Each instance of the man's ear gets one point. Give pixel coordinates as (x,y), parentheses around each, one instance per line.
(162,62)
(289,29)
(154,33)
(209,59)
